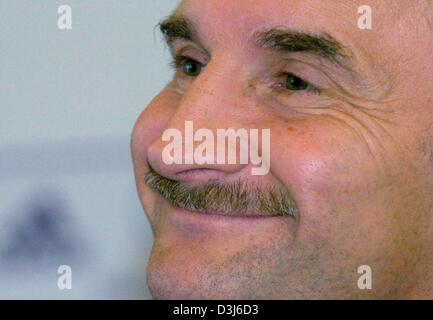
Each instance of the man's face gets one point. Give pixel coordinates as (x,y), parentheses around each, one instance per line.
(349,113)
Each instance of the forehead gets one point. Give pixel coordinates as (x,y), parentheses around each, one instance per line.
(228,20)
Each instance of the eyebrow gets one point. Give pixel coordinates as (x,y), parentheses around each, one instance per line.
(177,27)
(282,40)
(279,39)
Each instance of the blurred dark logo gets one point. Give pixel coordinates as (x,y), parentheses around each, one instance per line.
(42,232)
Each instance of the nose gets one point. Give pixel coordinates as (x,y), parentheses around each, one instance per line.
(213,102)
(181,158)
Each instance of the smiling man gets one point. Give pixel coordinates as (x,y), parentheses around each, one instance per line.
(350,114)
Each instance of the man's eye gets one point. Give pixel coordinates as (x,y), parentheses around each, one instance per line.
(190,67)
(295,83)
(187,66)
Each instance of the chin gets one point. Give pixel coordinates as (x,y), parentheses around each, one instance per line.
(214,256)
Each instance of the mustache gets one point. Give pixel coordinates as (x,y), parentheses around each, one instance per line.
(238,198)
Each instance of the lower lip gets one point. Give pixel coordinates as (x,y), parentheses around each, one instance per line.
(185,220)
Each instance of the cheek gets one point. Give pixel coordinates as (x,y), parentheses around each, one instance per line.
(327,170)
